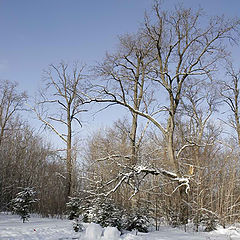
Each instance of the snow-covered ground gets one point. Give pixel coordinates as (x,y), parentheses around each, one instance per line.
(11,228)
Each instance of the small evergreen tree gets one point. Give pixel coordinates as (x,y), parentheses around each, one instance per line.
(74,210)
(210,221)
(107,213)
(74,207)
(102,211)
(137,220)
(22,202)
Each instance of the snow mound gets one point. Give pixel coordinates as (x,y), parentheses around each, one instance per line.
(96,232)
(93,232)
(111,233)
(231,232)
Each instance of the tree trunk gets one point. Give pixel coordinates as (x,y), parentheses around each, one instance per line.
(170,146)
(69,157)
(183,218)
(133,136)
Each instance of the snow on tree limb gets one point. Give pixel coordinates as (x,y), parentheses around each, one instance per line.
(133,176)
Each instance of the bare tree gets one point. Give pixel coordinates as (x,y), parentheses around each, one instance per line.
(230,93)
(11,101)
(178,46)
(184,48)
(62,106)
(181,47)
(126,76)
(195,129)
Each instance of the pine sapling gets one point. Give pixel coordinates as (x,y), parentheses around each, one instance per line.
(21,204)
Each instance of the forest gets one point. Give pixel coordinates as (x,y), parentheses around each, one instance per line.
(173,154)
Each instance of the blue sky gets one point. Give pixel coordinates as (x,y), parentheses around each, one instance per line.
(36,33)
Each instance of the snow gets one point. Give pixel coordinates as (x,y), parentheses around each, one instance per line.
(93,231)
(12,228)
(111,233)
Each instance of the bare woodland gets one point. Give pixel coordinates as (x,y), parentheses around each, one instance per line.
(174,153)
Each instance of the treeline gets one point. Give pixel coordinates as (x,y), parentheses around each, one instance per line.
(27,159)
(173,155)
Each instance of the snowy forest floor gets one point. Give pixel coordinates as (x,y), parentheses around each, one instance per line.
(11,228)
